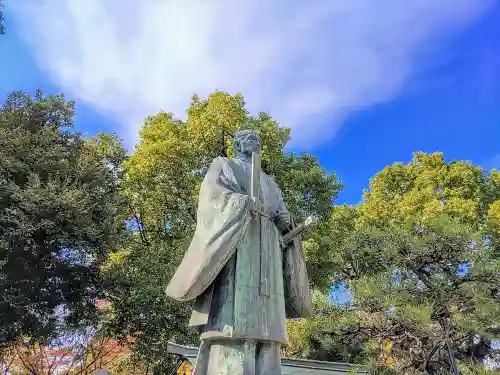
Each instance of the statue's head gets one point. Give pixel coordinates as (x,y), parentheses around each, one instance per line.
(245,141)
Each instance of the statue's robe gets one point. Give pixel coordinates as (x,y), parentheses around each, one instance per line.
(244,283)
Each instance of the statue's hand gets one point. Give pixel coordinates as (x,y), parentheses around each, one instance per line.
(284,221)
(255,206)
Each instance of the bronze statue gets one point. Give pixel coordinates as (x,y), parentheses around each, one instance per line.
(245,267)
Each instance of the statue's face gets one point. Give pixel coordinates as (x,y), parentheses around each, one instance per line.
(245,142)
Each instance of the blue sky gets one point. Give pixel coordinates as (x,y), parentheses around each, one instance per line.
(363,85)
(456,111)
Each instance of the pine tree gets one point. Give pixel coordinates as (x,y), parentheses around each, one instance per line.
(420,256)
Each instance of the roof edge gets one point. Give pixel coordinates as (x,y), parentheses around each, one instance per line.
(190,351)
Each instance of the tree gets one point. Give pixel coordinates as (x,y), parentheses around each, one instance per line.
(78,352)
(58,202)
(162,178)
(327,336)
(420,254)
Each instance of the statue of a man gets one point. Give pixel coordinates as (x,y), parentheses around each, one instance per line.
(246,282)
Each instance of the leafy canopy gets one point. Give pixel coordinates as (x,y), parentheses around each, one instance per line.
(58,200)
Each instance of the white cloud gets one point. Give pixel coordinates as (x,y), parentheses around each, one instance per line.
(300,60)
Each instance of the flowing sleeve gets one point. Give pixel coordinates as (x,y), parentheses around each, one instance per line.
(298,299)
(222,219)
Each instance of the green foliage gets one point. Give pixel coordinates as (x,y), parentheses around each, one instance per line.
(58,201)
(427,187)
(327,336)
(420,255)
(161,185)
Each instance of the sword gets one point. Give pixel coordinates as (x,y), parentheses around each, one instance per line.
(297,231)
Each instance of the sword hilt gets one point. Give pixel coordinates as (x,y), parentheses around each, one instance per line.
(297,231)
